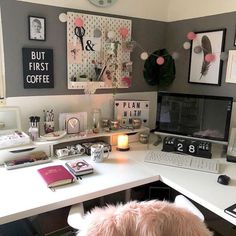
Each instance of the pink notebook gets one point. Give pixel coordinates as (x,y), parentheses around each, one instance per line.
(56,175)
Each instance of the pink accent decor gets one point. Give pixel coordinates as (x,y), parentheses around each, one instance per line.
(191,36)
(150,218)
(124,32)
(79,22)
(209,57)
(160,61)
(127,81)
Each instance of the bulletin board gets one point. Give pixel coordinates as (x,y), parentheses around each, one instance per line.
(97,52)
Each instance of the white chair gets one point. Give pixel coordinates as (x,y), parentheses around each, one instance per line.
(75,215)
(77,211)
(182,201)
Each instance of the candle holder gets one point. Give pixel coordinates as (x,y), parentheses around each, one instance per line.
(122,143)
(122,149)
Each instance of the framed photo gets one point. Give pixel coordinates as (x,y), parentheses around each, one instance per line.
(205,65)
(37,28)
(231,67)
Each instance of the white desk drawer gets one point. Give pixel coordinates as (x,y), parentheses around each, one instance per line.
(22,151)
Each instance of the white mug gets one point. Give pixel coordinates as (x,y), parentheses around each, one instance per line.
(98,152)
(62,152)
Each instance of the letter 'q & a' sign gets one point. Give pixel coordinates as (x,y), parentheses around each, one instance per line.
(38,68)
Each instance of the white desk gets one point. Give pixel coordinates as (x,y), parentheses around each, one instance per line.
(23,192)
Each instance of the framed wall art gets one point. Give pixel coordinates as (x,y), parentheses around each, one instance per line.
(231,67)
(205,65)
(37,28)
(38,68)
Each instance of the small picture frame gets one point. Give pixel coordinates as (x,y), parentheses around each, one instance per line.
(231,67)
(37,28)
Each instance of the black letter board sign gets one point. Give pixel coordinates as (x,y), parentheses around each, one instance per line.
(38,68)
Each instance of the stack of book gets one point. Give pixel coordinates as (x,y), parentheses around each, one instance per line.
(79,167)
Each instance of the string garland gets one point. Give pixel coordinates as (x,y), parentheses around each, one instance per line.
(129,45)
(123,31)
(209,57)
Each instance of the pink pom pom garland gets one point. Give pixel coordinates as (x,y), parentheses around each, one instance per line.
(191,36)
(209,57)
(160,61)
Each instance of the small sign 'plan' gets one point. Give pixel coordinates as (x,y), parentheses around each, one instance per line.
(126,110)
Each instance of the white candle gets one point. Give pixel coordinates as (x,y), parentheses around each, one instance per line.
(123,142)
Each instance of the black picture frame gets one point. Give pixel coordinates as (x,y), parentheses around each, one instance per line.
(37,28)
(207,73)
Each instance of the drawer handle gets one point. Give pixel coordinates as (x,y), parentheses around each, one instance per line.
(23,150)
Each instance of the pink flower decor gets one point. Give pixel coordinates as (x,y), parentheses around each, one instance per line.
(209,57)
(160,60)
(191,36)
(124,32)
(79,22)
(126,80)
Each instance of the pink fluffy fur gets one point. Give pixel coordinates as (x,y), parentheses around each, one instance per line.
(150,218)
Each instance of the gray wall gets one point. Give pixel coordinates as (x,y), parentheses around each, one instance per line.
(149,34)
(176,36)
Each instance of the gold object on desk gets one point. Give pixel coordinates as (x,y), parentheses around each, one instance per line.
(105,123)
(114,124)
(143,138)
(136,123)
(73,125)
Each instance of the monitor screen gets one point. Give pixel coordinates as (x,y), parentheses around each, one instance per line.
(199,116)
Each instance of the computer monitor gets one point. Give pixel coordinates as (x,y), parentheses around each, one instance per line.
(201,117)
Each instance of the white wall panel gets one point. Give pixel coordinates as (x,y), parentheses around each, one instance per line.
(150,9)
(186,9)
(161,10)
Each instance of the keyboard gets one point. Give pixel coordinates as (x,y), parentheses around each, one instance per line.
(183,161)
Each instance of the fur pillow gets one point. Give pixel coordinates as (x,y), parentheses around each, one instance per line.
(150,218)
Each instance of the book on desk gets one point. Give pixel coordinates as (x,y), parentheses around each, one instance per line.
(231,210)
(56,175)
(79,167)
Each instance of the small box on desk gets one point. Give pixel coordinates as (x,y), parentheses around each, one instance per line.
(10,128)
(14,139)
